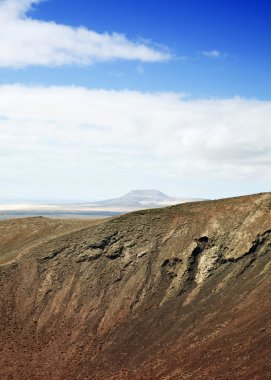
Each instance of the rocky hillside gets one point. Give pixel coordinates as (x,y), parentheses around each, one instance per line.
(175,293)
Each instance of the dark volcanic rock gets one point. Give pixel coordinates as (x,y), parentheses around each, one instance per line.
(175,293)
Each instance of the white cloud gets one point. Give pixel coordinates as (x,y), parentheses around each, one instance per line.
(25,41)
(78,134)
(213,54)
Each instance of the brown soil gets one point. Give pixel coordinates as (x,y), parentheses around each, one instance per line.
(175,293)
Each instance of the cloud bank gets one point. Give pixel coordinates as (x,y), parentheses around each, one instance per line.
(25,41)
(78,132)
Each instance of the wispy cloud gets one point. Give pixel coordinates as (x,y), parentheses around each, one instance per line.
(77,132)
(214,54)
(140,69)
(25,41)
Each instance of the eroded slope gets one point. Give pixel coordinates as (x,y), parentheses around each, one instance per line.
(177,293)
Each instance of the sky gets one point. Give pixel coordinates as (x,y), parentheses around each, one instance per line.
(101,97)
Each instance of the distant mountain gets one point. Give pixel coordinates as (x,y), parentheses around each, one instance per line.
(132,201)
(144,199)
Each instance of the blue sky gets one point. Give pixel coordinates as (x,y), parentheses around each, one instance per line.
(204,65)
(240,30)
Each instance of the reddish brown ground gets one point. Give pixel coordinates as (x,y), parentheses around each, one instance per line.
(175,293)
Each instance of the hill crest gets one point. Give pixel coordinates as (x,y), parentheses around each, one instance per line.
(178,292)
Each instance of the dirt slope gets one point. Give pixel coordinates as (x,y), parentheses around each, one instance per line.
(175,293)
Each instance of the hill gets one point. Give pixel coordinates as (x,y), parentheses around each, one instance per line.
(141,199)
(181,292)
